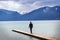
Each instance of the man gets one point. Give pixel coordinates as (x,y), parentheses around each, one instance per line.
(30,26)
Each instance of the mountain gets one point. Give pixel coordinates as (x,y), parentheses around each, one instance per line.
(44,13)
(6,15)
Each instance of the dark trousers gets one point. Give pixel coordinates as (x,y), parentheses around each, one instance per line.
(30,30)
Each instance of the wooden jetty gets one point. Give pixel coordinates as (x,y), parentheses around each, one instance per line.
(34,35)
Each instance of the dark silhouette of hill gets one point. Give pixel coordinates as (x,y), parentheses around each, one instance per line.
(6,15)
(44,13)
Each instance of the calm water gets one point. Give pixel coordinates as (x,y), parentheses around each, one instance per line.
(48,28)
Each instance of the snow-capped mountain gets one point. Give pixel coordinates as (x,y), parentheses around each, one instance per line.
(44,13)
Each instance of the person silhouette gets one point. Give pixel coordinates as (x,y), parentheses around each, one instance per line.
(30,26)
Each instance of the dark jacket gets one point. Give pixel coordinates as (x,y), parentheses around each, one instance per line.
(31,25)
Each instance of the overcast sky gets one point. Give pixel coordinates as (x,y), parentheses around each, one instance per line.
(25,6)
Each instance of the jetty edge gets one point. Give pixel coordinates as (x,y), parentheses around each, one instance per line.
(33,35)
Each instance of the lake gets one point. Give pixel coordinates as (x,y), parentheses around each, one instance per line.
(48,28)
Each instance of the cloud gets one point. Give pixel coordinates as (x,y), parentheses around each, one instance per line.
(25,6)
(14,6)
(10,5)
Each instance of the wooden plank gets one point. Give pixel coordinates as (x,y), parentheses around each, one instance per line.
(33,35)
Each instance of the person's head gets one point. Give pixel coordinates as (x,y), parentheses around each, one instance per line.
(30,22)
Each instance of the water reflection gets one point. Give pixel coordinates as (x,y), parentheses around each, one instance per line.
(30,38)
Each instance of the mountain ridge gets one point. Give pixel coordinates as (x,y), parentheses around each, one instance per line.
(44,13)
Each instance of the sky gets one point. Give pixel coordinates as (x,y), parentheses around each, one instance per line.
(26,6)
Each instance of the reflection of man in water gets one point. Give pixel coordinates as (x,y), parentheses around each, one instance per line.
(31,26)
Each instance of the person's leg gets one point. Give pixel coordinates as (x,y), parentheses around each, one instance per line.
(30,30)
